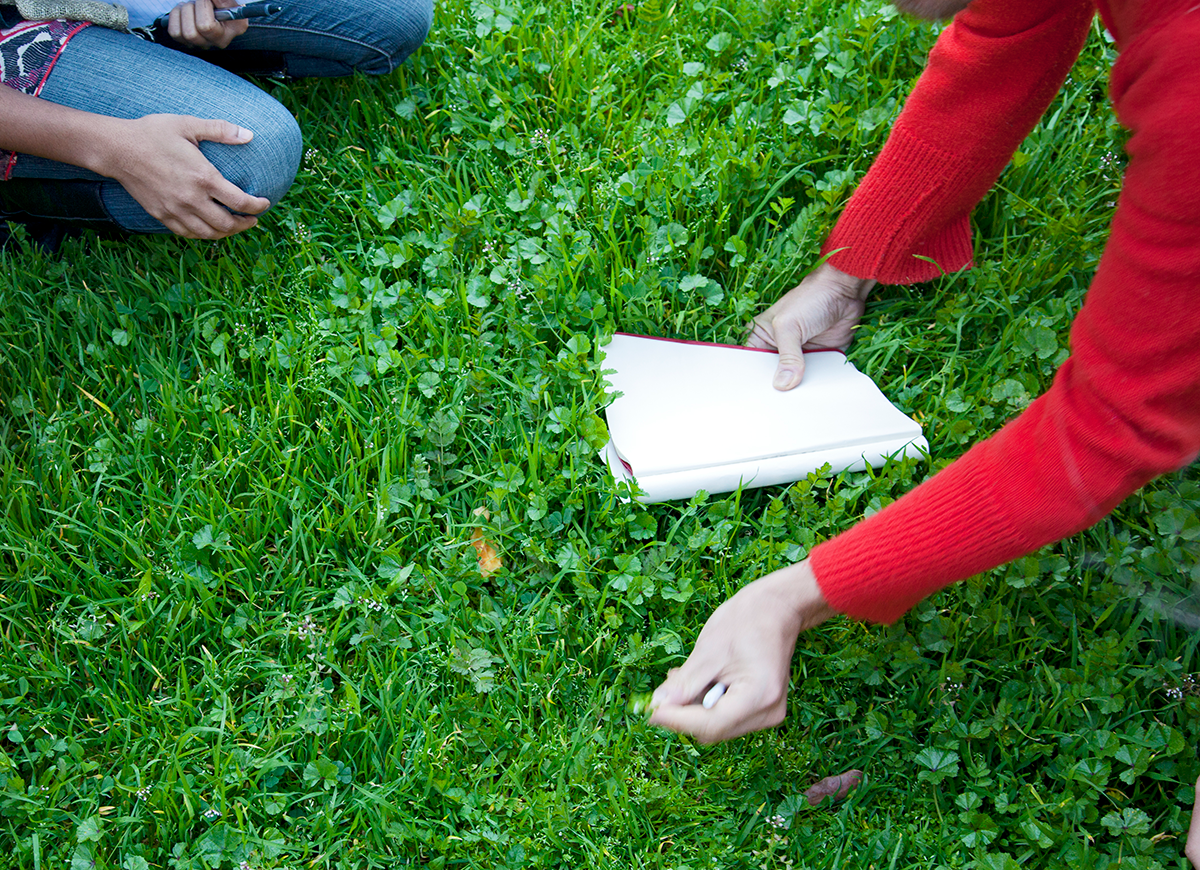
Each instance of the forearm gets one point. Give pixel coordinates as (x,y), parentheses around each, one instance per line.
(990,77)
(35,126)
(1124,408)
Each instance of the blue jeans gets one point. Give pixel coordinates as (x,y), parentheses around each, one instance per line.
(120,75)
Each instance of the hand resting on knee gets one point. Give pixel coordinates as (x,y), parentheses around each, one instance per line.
(156,158)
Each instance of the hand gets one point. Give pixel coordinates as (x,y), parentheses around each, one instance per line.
(747,644)
(193,23)
(819,313)
(157,159)
(1192,849)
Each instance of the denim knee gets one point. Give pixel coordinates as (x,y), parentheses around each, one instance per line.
(397,27)
(267,164)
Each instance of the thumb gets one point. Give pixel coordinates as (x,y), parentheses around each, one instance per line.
(214,130)
(790,370)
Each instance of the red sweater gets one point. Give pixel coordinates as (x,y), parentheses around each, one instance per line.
(1125,407)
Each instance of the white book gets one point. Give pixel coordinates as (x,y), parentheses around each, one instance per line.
(692,416)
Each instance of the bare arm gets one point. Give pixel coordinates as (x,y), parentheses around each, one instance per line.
(34,126)
(156,159)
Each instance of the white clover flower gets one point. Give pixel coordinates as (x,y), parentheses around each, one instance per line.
(308,629)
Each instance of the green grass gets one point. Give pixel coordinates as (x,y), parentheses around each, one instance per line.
(241,621)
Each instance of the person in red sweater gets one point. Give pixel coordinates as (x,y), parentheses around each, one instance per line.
(1123,408)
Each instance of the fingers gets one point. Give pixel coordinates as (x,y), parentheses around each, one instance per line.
(820,312)
(772,331)
(685,684)
(760,335)
(737,713)
(223,191)
(689,719)
(211,225)
(213,217)
(1192,849)
(204,219)
(237,200)
(181,26)
(194,23)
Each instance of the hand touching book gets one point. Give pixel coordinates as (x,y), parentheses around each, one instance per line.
(694,416)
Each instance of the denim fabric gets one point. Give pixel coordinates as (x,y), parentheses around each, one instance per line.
(334,38)
(120,75)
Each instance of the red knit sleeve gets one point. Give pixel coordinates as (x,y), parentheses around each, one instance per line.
(1123,408)
(990,77)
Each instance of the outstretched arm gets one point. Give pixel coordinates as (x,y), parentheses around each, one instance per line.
(990,77)
(1124,408)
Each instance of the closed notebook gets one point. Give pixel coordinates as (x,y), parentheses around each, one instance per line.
(692,416)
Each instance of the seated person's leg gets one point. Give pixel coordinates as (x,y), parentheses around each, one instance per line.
(325,38)
(120,75)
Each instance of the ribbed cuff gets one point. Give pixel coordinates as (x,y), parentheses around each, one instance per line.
(895,228)
(949,528)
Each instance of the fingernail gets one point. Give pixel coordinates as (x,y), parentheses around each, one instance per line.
(657,698)
(244,135)
(784,379)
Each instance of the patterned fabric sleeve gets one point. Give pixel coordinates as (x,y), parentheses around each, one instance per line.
(28,52)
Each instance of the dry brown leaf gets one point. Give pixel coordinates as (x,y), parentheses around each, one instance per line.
(836,787)
(489,559)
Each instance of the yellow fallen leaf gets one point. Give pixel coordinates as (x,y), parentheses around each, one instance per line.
(489,559)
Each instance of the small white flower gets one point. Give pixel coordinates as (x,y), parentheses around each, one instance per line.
(307,628)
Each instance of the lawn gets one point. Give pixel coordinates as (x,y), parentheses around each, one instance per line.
(242,620)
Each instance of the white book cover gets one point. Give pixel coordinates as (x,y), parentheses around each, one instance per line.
(692,416)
